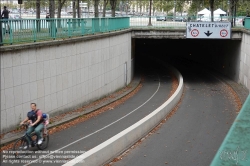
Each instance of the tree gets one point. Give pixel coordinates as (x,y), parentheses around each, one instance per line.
(30,4)
(38,15)
(38,10)
(180,5)
(78,9)
(212,9)
(105,2)
(74,8)
(59,9)
(96,3)
(52,8)
(89,3)
(113,6)
(167,6)
(150,7)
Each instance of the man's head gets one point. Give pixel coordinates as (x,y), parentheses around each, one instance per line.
(4,7)
(33,106)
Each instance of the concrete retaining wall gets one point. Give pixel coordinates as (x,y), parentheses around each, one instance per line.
(109,149)
(244,77)
(62,77)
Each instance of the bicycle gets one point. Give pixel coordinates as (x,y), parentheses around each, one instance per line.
(21,146)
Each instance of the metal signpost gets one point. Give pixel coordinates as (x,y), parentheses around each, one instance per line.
(208,30)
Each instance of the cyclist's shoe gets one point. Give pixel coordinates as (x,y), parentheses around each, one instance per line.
(23,147)
(33,143)
(40,141)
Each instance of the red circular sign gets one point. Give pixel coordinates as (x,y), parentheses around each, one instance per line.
(194,32)
(223,33)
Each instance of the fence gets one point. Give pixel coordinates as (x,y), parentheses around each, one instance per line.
(33,30)
(177,22)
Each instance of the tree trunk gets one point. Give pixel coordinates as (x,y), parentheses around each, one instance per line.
(59,9)
(52,8)
(38,10)
(78,9)
(113,6)
(105,2)
(150,6)
(231,11)
(212,10)
(74,8)
(235,8)
(96,3)
(52,25)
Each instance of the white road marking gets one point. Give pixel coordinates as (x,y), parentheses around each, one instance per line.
(45,156)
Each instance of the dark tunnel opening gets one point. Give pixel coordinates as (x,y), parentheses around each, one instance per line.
(221,56)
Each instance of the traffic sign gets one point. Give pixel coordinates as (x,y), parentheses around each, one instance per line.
(194,32)
(223,33)
(208,30)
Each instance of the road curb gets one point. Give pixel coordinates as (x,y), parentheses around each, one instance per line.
(114,146)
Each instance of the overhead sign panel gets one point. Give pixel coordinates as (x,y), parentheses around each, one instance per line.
(208,30)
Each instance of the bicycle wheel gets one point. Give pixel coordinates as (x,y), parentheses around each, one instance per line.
(45,142)
(21,147)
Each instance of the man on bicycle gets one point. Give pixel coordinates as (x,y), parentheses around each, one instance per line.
(34,117)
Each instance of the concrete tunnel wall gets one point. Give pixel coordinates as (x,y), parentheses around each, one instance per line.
(62,77)
(229,57)
(52,76)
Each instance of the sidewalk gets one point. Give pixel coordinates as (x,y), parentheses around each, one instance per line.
(241,91)
(10,137)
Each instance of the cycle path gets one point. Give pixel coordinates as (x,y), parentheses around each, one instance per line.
(69,143)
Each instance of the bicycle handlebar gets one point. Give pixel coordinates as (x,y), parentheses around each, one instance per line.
(26,125)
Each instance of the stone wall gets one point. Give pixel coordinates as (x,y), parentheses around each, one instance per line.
(62,77)
(244,76)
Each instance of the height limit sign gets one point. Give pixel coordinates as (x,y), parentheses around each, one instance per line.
(194,33)
(208,30)
(223,33)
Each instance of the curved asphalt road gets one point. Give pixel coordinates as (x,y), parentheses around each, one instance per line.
(192,136)
(84,136)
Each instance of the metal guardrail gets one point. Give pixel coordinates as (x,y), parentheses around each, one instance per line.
(33,30)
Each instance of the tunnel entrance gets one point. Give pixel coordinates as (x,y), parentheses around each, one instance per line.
(220,55)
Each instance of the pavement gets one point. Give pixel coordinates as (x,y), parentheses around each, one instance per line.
(240,89)
(82,137)
(194,133)
(10,137)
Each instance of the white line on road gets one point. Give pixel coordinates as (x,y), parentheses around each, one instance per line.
(34,161)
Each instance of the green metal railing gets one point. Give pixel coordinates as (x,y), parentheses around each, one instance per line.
(175,22)
(33,30)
